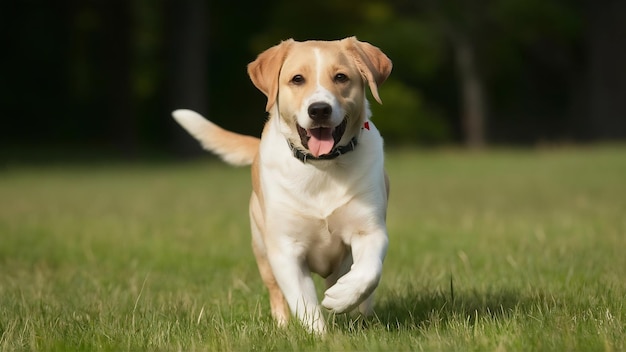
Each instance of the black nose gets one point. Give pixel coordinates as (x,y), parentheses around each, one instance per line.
(320,111)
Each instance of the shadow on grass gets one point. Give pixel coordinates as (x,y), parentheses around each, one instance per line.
(422,308)
(414,308)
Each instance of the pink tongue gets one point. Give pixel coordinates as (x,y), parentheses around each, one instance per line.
(321,141)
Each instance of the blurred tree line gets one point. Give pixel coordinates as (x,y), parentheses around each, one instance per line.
(107,73)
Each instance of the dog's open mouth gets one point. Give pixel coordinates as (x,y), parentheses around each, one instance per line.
(321,140)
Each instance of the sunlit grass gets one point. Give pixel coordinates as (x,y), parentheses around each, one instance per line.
(502,250)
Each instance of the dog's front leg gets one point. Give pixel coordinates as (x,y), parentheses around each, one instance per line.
(295,281)
(368,251)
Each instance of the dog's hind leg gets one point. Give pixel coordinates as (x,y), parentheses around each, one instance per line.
(366,307)
(280,310)
(278,304)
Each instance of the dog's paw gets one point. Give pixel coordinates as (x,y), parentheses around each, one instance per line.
(317,326)
(340,301)
(312,320)
(349,292)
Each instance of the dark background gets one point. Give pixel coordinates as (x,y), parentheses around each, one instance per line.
(104,75)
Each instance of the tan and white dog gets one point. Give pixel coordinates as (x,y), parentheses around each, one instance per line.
(320,192)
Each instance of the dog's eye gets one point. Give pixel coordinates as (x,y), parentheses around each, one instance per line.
(297,80)
(341,78)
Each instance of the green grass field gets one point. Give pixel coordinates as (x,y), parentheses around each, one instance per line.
(504,250)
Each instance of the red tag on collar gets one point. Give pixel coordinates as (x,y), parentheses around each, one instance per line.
(366,125)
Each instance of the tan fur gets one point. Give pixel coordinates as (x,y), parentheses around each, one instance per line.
(234,148)
(325,216)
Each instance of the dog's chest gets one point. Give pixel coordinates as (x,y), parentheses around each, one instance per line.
(326,249)
(313,194)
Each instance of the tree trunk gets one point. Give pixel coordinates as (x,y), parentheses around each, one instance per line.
(118,26)
(188,65)
(607,70)
(472,93)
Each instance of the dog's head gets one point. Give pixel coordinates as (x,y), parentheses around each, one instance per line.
(318,88)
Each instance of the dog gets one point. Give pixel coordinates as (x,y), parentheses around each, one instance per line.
(320,191)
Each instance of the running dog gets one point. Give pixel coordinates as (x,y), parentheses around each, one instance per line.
(320,191)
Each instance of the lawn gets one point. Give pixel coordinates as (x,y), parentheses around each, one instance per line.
(509,250)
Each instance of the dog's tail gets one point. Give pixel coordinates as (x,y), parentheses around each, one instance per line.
(234,148)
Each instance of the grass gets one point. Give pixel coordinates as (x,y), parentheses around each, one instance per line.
(502,250)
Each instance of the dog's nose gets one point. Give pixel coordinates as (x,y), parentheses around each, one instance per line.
(320,111)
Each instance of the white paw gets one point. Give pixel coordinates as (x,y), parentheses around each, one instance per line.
(318,326)
(314,321)
(339,301)
(348,292)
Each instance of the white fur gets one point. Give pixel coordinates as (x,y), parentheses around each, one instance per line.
(320,95)
(311,210)
(326,217)
(231,147)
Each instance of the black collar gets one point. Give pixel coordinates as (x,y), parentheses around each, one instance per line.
(304,157)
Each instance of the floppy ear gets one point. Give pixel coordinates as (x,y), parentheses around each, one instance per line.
(265,69)
(373,64)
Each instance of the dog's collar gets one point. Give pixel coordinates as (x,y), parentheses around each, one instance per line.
(304,157)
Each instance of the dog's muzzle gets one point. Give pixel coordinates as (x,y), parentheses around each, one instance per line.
(321,140)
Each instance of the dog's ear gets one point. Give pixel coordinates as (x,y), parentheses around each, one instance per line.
(265,69)
(373,64)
